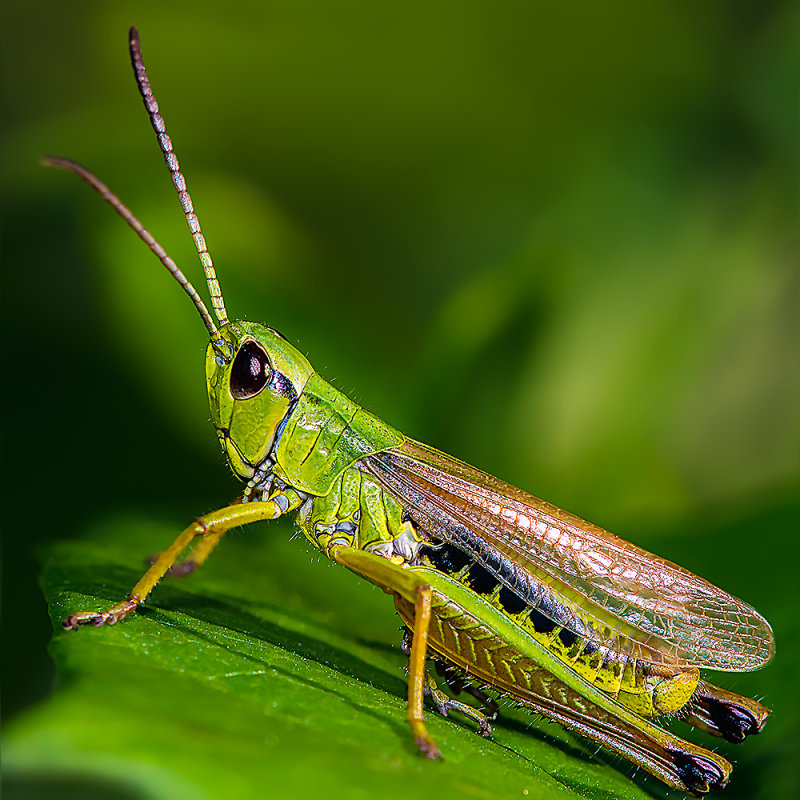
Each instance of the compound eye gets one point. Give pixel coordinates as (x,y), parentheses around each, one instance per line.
(250,372)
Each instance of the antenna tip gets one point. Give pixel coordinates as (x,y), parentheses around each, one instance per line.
(133,34)
(57,161)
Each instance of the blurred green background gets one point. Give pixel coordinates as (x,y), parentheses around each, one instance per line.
(556,241)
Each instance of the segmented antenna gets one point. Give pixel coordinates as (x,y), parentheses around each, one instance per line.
(144,234)
(150,103)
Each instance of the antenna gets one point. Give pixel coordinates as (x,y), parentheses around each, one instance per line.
(144,234)
(157,121)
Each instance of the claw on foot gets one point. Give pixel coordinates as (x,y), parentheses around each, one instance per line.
(424,740)
(429,748)
(100,618)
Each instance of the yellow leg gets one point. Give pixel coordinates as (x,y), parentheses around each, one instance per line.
(212,525)
(416,674)
(198,556)
(199,553)
(202,550)
(398,580)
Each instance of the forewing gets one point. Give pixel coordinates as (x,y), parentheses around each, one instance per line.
(656,610)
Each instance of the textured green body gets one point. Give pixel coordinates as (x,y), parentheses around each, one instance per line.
(325,434)
(456,607)
(479,639)
(311,437)
(635,683)
(359,513)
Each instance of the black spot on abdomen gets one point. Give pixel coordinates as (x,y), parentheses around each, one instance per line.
(480,580)
(446,558)
(568,638)
(541,624)
(511,601)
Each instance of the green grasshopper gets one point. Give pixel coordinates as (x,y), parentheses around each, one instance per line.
(503,590)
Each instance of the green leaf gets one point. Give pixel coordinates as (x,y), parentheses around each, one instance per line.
(260,675)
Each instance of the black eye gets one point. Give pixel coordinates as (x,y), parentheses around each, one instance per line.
(250,371)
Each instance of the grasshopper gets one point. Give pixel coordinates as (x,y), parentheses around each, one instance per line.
(503,591)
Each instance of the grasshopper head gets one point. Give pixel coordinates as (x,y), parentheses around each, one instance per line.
(253,377)
(253,374)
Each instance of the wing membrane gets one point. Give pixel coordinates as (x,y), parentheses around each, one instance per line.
(655,609)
